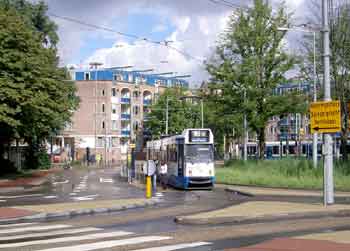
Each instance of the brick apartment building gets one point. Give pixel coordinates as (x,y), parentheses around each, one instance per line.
(114,104)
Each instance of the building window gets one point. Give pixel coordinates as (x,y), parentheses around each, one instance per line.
(130,78)
(114,125)
(136,126)
(103,108)
(100,142)
(114,109)
(138,80)
(103,92)
(118,77)
(136,110)
(114,92)
(114,141)
(87,76)
(103,125)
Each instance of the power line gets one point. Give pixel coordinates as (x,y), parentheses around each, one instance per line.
(97,27)
(227,4)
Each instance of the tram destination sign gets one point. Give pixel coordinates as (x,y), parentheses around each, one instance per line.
(325,117)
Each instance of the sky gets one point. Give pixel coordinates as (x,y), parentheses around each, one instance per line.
(190,27)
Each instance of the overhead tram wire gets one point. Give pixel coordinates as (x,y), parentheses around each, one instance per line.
(227,4)
(97,27)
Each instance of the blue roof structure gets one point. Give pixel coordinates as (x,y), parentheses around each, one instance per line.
(130,77)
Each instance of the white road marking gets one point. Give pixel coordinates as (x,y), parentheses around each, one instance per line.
(159,195)
(109,244)
(73,194)
(67,239)
(88,197)
(60,182)
(82,198)
(21,196)
(3,200)
(52,233)
(176,247)
(34,228)
(51,197)
(17,224)
(103,180)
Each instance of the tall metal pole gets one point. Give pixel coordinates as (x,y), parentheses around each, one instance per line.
(202,113)
(328,146)
(245,128)
(167,116)
(314,136)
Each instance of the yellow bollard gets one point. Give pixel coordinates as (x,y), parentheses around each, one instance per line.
(148,187)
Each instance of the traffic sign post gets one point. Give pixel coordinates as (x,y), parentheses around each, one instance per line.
(325,117)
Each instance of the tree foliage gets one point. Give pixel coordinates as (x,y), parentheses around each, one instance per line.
(339,26)
(250,62)
(182,114)
(35,99)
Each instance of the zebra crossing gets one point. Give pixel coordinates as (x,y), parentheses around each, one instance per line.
(62,237)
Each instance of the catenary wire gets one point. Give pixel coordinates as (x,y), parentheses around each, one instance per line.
(160,43)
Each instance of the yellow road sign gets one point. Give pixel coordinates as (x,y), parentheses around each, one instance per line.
(325,117)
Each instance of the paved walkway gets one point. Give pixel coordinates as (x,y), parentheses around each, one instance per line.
(260,209)
(37,178)
(292,244)
(8,212)
(278,191)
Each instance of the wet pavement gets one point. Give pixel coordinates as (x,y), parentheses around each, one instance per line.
(72,185)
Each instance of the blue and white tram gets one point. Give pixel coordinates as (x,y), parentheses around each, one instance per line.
(189,156)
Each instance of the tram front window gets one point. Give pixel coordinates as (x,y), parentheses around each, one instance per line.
(199,153)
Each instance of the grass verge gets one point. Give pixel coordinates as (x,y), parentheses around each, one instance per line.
(286,173)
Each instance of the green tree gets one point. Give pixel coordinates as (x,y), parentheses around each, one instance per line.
(34,15)
(35,99)
(339,62)
(250,62)
(182,114)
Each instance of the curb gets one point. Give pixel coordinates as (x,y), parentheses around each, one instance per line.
(79,212)
(259,219)
(238,192)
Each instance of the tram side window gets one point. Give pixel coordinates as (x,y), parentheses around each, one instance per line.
(172,153)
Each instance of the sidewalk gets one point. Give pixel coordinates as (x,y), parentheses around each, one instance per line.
(48,211)
(264,210)
(37,178)
(251,190)
(295,244)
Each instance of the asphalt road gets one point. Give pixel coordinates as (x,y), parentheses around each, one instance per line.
(151,228)
(142,229)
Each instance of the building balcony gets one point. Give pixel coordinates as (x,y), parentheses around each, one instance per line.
(147,102)
(125,100)
(125,116)
(125,132)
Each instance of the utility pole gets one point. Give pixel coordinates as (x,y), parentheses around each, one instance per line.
(314,136)
(328,146)
(167,116)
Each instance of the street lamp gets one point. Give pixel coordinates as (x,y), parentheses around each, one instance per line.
(313,31)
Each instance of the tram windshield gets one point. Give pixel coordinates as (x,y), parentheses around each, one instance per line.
(199,153)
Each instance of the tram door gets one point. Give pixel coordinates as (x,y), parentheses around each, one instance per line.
(180,156)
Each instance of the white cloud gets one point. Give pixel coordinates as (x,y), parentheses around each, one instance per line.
(197,26)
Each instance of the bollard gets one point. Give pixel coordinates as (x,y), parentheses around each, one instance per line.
(148,187)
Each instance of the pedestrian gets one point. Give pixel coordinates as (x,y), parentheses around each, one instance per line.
(163,175)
